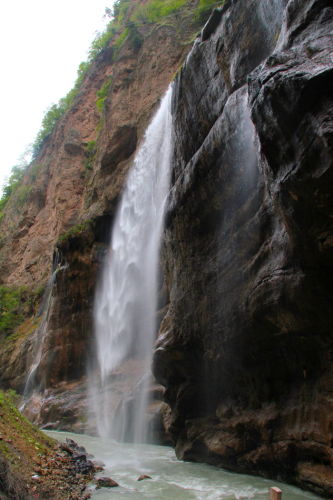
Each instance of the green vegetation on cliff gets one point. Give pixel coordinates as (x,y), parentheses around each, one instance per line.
(155,10)
(128,23)
(11,186)
(127,17)
(16,304)
(102,95)
(56,111)
(32,465)
(205,7)
(21,428)
(90,154)
(20,185)
(75,230)
(22,446)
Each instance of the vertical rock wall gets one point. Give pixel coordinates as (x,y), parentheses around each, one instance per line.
(72,190)
(245,350)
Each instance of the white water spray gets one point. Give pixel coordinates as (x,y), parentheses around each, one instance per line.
(271,13)
(126,300)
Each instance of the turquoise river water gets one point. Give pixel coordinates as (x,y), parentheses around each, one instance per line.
(171,479)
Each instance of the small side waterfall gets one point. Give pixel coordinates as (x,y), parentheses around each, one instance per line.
(126,299)
(34,382)
(270,16)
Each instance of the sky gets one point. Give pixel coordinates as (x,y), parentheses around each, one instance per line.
(42,43)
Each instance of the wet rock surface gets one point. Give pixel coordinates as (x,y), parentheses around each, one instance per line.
(245,349)
(143,477)
(80,459)
(105,482)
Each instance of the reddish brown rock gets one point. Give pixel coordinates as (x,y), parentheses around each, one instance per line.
(105,482)
(142,477)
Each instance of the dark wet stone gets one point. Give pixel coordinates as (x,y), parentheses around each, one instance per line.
(105,482)
(245,348)
(142,477)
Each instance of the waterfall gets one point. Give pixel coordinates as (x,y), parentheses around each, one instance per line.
(271,15)
(126,298)
(34,382)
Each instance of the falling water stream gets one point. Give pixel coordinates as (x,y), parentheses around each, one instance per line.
(126,300)
(35,381)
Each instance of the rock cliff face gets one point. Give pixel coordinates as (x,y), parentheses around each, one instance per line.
(68,182)
(64,209)
(245,347)
(245,350)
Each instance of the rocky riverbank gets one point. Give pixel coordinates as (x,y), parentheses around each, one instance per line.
(36,467)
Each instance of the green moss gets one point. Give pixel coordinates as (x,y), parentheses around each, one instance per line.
(102,40)
(24,330)
(204,9)
(75,231)
(91,147)
(155,10)
(10,308)
(90,151)
(120,10)
(119,42)
(22,194)
(102,94)
(16,304)
(90,154)
(134,36)
(100,104)
(34,171)
(19,427)
(26,451)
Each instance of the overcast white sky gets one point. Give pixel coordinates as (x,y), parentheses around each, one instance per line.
(42,43)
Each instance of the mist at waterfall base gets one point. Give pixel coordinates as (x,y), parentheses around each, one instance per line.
(171,478)
(126,299)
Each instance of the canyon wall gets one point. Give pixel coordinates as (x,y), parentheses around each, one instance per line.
(245,349)
(59,220)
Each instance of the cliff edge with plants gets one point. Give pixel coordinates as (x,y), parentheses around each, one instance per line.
(245,347)
(56,213)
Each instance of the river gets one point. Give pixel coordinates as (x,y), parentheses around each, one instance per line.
(171,479)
